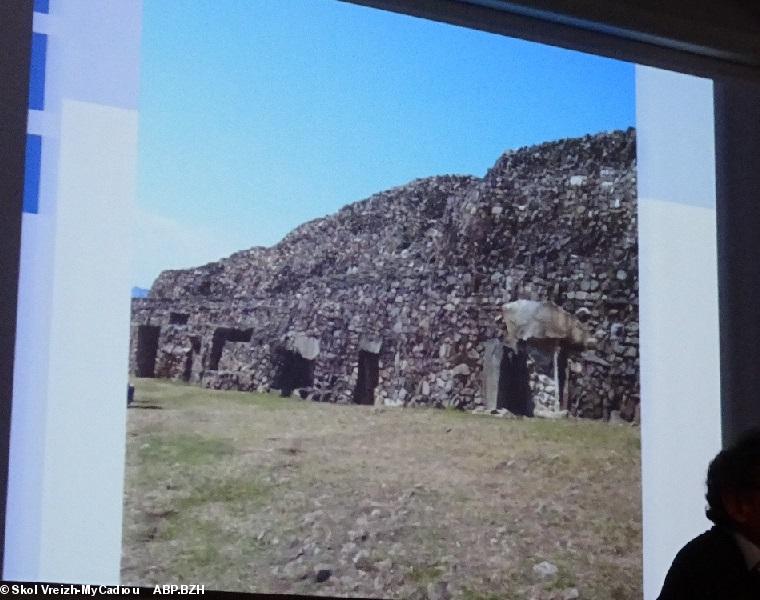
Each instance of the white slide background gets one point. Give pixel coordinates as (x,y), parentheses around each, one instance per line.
(66,470)
(678,302)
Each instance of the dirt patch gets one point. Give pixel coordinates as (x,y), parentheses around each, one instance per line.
(259,493)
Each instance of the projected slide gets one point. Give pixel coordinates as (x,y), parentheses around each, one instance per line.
(384,334)
(320,299)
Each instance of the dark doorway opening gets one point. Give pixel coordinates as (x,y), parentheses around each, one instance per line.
(178,318)
(293,371)
(221,336)
(147,349)
(562,379)
(369,377)
(514,387)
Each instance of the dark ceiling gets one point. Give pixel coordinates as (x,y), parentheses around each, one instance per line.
(702,37)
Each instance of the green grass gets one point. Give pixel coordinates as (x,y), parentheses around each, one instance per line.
(469,594)
(219,486)
(182,395)
(237,494)
(185,448)
(424,574)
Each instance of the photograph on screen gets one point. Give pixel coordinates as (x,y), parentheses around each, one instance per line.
(384,327)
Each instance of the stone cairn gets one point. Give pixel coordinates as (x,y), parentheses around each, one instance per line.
(518,291)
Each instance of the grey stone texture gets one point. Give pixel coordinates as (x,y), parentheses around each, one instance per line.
(399,299)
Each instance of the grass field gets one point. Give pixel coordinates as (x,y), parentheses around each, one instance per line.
(258,493)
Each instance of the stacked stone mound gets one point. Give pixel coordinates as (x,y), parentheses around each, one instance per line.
(396,299)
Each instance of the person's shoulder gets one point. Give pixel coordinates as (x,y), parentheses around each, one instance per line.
(713,543)
(709,566)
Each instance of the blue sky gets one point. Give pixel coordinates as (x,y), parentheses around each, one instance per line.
(258,115)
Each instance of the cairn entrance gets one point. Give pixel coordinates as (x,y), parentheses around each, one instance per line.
(514,386)
(368,377)
(221,336)
(548,334)
(548,361)
(147,350)
(293,372)
(560,368)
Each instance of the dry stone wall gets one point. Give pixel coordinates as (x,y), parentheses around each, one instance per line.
(397,299)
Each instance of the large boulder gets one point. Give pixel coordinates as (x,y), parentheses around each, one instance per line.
(542,322)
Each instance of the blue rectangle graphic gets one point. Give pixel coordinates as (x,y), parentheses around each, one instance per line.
(37,73)
(42,6)
(32,169)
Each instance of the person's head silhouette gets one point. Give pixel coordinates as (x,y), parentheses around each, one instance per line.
(733,487)
(723,563)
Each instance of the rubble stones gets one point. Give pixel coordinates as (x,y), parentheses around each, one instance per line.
(362,561)
(438,590)
(410,283)
(545,570)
